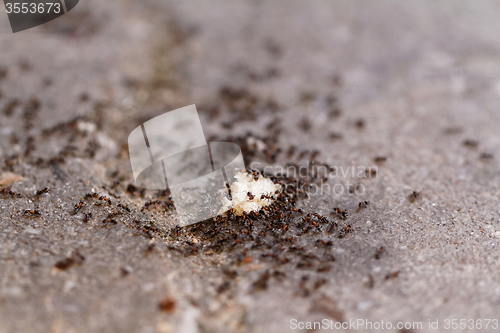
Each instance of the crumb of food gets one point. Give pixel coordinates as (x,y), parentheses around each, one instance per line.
(9,177)
(249,193)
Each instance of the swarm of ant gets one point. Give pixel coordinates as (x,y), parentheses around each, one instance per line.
(269,225)
(271,235)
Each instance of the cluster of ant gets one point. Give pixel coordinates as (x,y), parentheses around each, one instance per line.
(276,227)
(148,229)
(167,205)
(69,128)
(292,152)
(240,104)
(98,197)
(7,192)
(227,231)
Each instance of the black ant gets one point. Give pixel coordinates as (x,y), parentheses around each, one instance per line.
(250,196)
(45,190)
(360,123)
(380,159)
(340,212)
(363,204)
(470,143)
(78,207)
(324,243)
(229,192)
(261,282)
(379,253)
(344,232)
(314,154)
(414,196)
(392,275)
(87,217)
(371,281)
(105,199)
(266,196)
(96,196)
(335,136)
(32,213)
(151,202)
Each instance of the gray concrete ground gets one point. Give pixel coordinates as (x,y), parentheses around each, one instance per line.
(412,88)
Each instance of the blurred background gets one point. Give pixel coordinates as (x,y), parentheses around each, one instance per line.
(411,87)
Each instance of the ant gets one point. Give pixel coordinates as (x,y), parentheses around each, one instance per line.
(344,232)
(45,190)
(370,173)
(105,199)
(78,207)
(360,123)
(380,159)
(230,214)
(371,281)
(96,196)
(379,253)
(87,218)
(414,196)
(229,192)
(124,207)
(250,196)
(91,195)
(324,243)
(314,154)
(363,204)
(340,212)
(151,202)
(392,275)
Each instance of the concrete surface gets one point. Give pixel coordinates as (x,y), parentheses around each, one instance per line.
(345,82)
